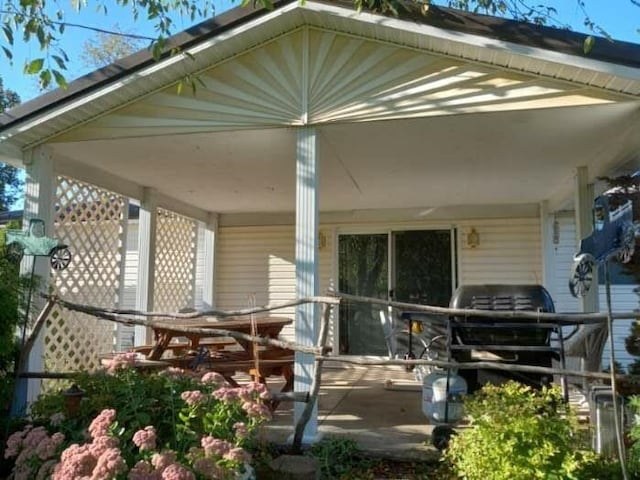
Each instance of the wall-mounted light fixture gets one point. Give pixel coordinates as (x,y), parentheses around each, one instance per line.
(473,238)
(322,240)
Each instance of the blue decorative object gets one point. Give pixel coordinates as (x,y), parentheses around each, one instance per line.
(613,236)
(34,242)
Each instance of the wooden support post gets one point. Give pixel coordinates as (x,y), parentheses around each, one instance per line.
(315,384)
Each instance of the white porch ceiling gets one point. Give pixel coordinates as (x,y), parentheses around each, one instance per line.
(318,77)
(498,158)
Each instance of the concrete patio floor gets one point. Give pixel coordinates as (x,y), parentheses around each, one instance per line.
(377,407)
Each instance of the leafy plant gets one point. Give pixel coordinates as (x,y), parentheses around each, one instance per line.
(143,424)
(339,458)
(518,433)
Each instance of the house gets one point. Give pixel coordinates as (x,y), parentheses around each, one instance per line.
(326,147)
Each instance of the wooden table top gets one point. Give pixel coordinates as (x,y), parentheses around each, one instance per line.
(229,323)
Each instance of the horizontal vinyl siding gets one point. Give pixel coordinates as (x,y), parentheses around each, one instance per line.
(199,273)
(125,333)
(563,252)
(623,298)
(260,262)
(509,252)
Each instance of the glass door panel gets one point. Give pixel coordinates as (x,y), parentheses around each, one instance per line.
(363,264)
(422,267)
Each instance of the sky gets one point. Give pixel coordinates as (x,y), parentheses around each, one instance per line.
(620,18)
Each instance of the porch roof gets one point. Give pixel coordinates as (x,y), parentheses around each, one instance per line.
(417,112)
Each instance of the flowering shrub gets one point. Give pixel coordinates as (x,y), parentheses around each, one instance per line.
(169,425)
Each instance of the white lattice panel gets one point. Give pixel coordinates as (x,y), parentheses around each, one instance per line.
(175,266)
(90,221)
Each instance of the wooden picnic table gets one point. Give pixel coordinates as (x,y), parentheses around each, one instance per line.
(166,331)
(271,360)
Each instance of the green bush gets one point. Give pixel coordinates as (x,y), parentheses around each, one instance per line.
(518,433)
(143,425)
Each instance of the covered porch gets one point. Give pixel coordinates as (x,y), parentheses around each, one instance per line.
(313,123)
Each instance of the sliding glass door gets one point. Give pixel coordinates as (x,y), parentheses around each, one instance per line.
(415,266)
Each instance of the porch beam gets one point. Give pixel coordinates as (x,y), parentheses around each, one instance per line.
(98,177)
(583,203)
(39,198)
(147,227)
(126,188)
(307,283)
(11,155)
(178,206)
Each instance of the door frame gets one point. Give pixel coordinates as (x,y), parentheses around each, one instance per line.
(388,229)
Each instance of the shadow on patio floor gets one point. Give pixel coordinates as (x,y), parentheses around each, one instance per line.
(377,407)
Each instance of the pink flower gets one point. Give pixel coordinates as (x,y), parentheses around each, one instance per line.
(241,430)
(175,471)
(238,454)
(213,378)
(192,397)
(143,470)
(227,394)
(164,459)
(100,425)
(214,446)
(257,410)
(110,463)
(208,468)
(48,446)
(14,444)
(145,439)
(121,361)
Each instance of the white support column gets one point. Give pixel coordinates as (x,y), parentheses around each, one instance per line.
(210,262)
(147,226)
(584,226)
(307,316)
(39,198)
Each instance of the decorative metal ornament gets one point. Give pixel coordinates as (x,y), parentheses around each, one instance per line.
(613,236)
(34,242)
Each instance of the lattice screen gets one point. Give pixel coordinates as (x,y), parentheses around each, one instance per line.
(91,222)
(175,262)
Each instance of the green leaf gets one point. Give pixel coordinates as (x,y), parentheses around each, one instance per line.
(179,87)
(34,66)
(589,43)
(8,32)
(59,61)
(7,53)
(60,80)
(45,79)
(41,36)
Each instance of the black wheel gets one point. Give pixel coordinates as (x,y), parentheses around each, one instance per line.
(440,436)
(15,252)
(627,242)
(582,272)
(60,258)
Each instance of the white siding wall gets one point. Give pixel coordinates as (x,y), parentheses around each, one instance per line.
(623,298)
(260,261)
(509,252)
